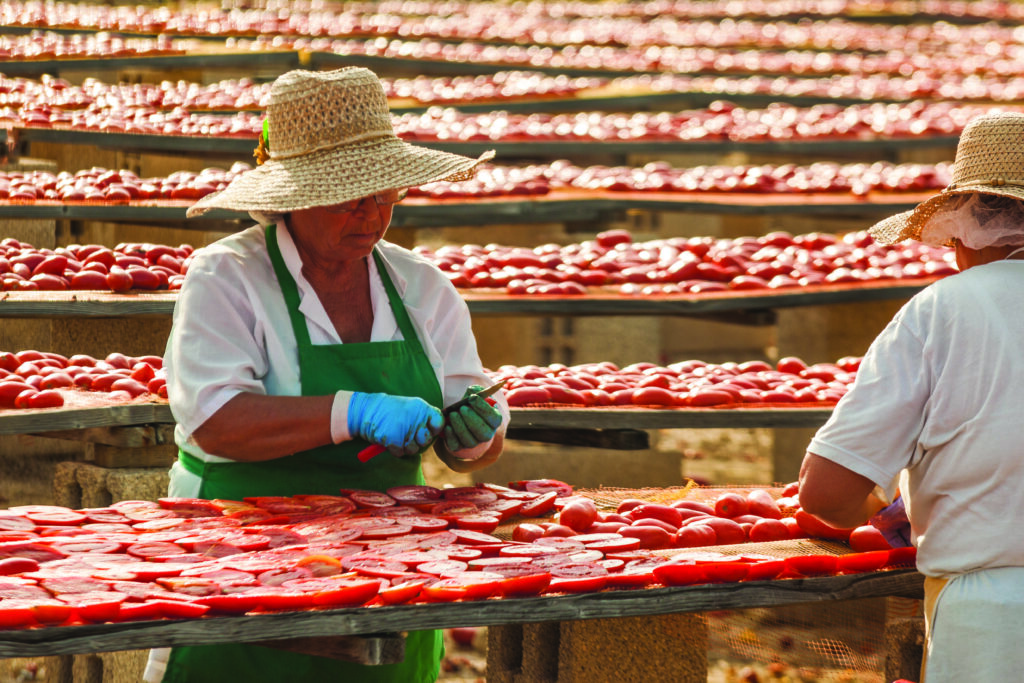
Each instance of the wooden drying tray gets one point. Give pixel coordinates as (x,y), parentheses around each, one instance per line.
(242,147)
(374,620)
(746,306)
(557,205)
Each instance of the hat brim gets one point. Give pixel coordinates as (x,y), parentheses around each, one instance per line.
(336,176)
(909,224)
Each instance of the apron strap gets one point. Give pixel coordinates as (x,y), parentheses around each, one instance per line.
(288,288)
(397,306)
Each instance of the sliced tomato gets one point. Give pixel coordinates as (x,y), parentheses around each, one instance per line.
(541,505)
(17,565)
(96,607)
(635,573)
(463,586)
(544,486)
(856,563)
(811,565)
(482,523)
(577,577)
(725,572)
(370,499)
(171,609)
(680,573)
(400,593)
(276,599)
(812,526)
(533,582)
(347,593)
(233,603)
(765,570)
(902,557)
(15,614)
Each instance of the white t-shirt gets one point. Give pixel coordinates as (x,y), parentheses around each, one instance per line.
(940,393)
(232,332)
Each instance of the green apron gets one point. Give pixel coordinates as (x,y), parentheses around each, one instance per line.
(396,367)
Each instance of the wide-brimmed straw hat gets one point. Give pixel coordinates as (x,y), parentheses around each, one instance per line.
(331,141)
(989,160)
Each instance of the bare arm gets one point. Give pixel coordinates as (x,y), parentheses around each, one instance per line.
(489,457)
(835,494)
(253,427)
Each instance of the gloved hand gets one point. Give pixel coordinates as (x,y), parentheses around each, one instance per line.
(404,425)
(472,424)
(893,523)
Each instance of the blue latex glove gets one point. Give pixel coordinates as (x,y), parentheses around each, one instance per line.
(472,424)
(404,425)
(893,523)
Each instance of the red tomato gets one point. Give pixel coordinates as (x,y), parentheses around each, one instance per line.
(532,582)
(9,392)
(811,565)
(694,505)
(577,577)
(46,399)
(902,557)
(731,504)
(522,396)
(653,396)
(866,538)
(119,280)
(766,530)
(665,513)
(680,573)
(651,537)
(791,364)
(695,536)
(400,593)
(578,514)
(725,572)
(765,570)
(541,505)
(706,398)
(814,527)
(727,531)
(527,533)
(854,563)
(17,565)
(761,503)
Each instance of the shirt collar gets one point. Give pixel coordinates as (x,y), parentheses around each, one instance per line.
(384,324)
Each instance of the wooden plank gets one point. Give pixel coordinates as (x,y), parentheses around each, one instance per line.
(241,147)
(67,419)
(369,650)
(683,418)
(614,439)
(63,419)
(751,307)
(135,436)
(257,627)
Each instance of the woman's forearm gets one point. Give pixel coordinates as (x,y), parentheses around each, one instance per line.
(254,427)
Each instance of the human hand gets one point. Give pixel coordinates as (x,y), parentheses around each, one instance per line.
(404,425)
(471,425)
(893,523)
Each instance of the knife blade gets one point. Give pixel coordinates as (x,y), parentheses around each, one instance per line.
(373,450)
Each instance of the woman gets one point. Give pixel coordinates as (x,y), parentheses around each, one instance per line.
(297,344)
(936,404)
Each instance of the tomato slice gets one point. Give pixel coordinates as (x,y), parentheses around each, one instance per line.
(577,577)
(230,603)
(725,572)
(275,599)
(424,523)
(397,594)
(470,494)
(463,586)
(442,567)
(855,563)
(541,505)
(96,607)
(532,582)
(347,593)
(635,573)
(680,573)
(15,614)
(482,523)
(812,565)
(902,557)
(765,570)
(415,495)
(40,552)
(504,509)
(544,486)
(370,499)
(169,609)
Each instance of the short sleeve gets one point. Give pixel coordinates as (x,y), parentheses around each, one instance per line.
(875,428)
(213,352)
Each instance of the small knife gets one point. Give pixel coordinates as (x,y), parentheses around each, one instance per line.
(373,450)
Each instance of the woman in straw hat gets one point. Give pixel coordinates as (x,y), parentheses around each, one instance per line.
(297,344)
(936,408)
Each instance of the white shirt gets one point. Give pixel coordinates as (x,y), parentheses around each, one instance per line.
(940,393)
(232,332)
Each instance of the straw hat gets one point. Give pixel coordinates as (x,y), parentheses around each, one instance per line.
(989,160)
(331,141)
